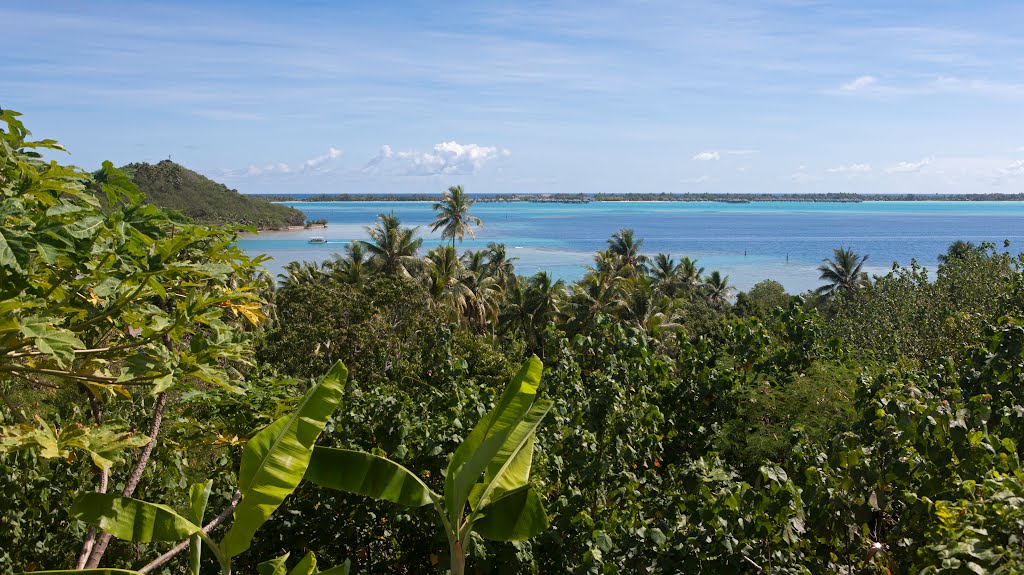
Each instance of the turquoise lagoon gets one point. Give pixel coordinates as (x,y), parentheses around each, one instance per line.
(784,241)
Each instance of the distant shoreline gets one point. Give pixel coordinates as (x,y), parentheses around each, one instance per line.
(588,198)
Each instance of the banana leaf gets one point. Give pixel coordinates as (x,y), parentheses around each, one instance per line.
(366,474)
(275,459)
(132,519)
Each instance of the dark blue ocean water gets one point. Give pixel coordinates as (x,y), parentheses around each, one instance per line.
(784,241)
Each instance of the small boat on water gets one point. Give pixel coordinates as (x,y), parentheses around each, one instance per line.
(317,240)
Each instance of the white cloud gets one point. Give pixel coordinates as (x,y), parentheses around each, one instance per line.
(697,180)
(711,155)
(281,168)
(908,167)
(445,158)
(314,163)
(851,169)
(1014,169)
(858,84)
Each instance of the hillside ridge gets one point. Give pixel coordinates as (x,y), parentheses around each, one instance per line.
(170,185)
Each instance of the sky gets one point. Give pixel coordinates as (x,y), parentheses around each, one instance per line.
(520,97)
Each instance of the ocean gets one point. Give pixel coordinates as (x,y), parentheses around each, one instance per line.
(784,241)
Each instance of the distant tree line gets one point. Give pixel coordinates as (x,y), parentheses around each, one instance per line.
(647,197)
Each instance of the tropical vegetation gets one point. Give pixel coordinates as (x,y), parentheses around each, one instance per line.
(383,411)
(170,186)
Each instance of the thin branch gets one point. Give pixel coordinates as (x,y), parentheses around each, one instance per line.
(84,351)
(17,369)
(35,381)
(14,409)
(133,480)
(184,544)
(90,537)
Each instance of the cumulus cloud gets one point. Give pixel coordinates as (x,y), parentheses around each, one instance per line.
(446,158)
(851,169)
(858,84)
(1014,169)
(314,163)
(908,167)
(281,168)
(711,155)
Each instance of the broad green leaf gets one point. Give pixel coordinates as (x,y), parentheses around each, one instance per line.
(59,343)
(132,519)
(7,258)
(275,459)
(342,569)
(510,467)
(198,497)
(472,457)
(366,474)
(515,516)
(85,227)
(307,566)
(104,443)
(274,566)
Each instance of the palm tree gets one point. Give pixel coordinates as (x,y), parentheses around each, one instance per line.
(717,289)
(689,273)
(351,267)
(453,215)
(665,273)
(531,305)
(298,273)
(958,250)
(624,245)
(484,304)
(843,273)
(502,267)
(444,277)
(392,248)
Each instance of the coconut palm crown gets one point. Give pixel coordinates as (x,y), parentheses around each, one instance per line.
(843,273)
(453,215)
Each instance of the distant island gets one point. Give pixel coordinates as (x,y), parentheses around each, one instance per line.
(172,186)
(643,197)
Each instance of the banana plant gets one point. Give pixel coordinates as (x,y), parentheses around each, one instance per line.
(489,472)
(273,463)
(306,566)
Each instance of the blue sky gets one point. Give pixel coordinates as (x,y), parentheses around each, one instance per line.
(320,97)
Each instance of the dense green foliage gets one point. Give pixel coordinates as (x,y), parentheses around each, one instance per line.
(172,186)
(875,428)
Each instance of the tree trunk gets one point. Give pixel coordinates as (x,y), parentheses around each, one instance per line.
(458,559)
(133,480)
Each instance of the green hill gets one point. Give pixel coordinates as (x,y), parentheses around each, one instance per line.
(169,185)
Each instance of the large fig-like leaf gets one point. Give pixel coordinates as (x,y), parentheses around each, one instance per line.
(132,519)
(275,459)
(515,516)
(485,441)
(366,474)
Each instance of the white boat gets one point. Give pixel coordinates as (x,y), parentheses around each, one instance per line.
(317,240)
